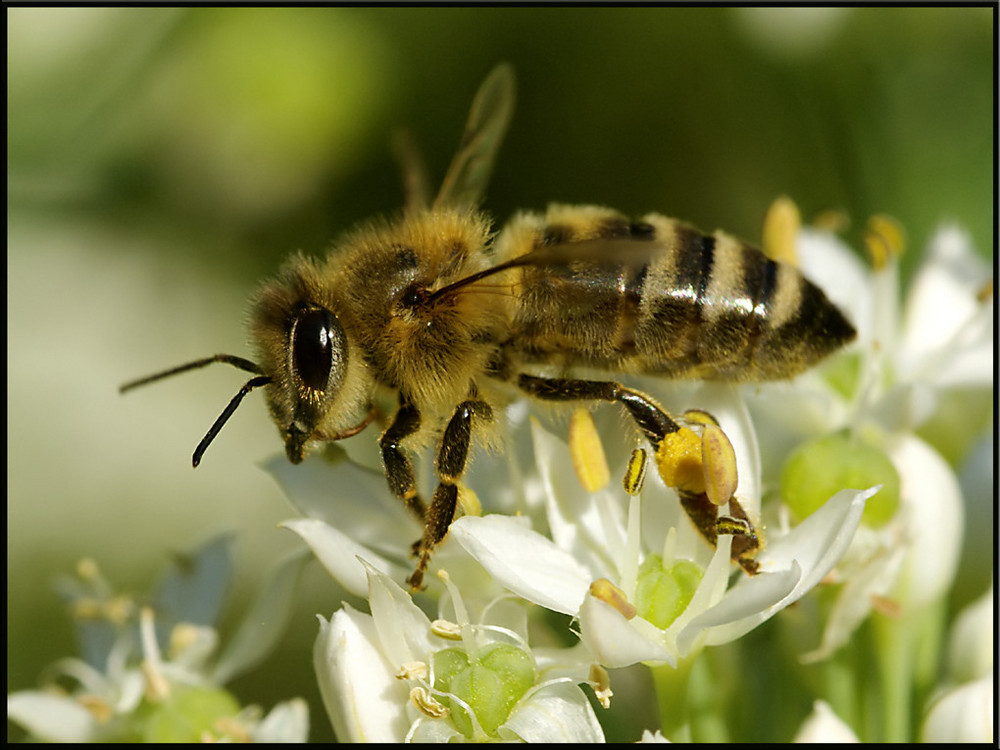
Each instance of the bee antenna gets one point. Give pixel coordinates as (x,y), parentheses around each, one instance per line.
(229,359)
(226,413)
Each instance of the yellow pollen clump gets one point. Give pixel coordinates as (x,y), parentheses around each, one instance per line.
(679,461)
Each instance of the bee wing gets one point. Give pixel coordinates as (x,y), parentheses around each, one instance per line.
(614,253)
(469,172)
(617,251)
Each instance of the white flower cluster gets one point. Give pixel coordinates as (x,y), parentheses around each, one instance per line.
(158,679)
(546,599)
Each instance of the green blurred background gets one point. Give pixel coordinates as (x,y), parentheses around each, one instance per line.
(162,161)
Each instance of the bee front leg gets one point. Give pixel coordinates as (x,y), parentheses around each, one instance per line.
(451,462)
(398,469)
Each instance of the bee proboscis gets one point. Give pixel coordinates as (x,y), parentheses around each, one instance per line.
(455,322)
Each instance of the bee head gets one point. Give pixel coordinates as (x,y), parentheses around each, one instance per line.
(304,367)
(314,392)
(313,375)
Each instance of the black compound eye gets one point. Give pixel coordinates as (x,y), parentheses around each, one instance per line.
(317,348)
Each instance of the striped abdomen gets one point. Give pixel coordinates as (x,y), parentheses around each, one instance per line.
(668,300)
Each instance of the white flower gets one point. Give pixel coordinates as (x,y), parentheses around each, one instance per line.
(941,345)
(606,544)
(970,643)
(963,714)
(165,685)
(823,725)
(636,575)
(649,737)
(944,339)
(364,700)
(394,675)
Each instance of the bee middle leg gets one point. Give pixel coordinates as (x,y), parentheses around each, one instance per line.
(452,458)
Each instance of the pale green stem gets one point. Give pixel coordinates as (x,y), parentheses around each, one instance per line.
(672,698)
(908,649)
(894,645)
(841,686)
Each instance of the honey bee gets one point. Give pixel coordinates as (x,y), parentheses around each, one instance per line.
(454,321)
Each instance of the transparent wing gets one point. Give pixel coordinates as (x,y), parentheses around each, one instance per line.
(602,253)
(467,177)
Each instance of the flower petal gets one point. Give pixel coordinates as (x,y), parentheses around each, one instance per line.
(823,725)
(820,540)
(353,498)
(524,561)
(194,587)
(364,700)
(339,554)
(963,714)
(650,737)
(947,333)
(742,609)
(558,712)
(52,718)
(264,622)
(970,643)
(286,722)
(436,731)
(585,524)
(790,567)
(934,516)
(403,628)
(617,642)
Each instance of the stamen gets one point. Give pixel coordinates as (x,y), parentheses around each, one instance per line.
(157,687)
(587,452)
(412,670)
(781,228)
(450,631)
(633,548)
(607,592)
(600,681)
(427,704)
(884,240)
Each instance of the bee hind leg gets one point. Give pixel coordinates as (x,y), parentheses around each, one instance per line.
(657,425)
(652,420)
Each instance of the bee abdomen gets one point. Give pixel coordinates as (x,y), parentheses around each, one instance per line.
(715,307)
(696,306)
